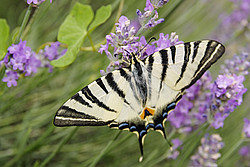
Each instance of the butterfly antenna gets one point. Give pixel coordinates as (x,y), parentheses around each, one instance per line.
(152,38)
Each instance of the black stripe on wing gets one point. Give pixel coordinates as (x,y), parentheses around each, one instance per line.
(164,61)
(68,112)
(100,83)
(173,52)
(110,79)
(186,60)
(78,98)
(149,69)
(88,94)
(196,47)
(125,75)
(67,116)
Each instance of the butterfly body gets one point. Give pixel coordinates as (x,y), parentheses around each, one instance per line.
(139,97)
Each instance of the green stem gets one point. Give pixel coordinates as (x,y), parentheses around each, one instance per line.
(65,140)
(119,13)
(25,20)
(33,18)
(97,159)
(91,42)
(230,152)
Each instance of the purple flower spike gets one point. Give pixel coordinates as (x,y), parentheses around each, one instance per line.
(239,65)
(246,128)
(208,152)
(245,151)
(218,120)
(11,78)
(149,6)
(32,65)
(21,60)
(146,20)
(158,3)
(36,2)
(227,93)
(165,42)
(238,20)
(174,153)
(32,1)
(245,155)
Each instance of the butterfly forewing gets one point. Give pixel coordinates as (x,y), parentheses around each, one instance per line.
(186,62)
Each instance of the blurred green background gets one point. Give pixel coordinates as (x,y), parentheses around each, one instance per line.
(27,135)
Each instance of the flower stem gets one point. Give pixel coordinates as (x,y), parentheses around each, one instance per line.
(32,20)
(25,20)
(91,42)
(118,14)
(230,152)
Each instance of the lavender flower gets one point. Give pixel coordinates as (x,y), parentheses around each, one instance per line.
(227,95)
(148,18)
(21,60)
(50,53)
(36,2)
(152,4)
(246,128)
(235,22)
(208,152)
(239,65)
(245,156)
(245,151)
(158,3)
(174,152)
(165,42)
(11,78)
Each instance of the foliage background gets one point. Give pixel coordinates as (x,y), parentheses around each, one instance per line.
(27,135)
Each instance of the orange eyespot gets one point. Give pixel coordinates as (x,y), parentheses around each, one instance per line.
(147,112)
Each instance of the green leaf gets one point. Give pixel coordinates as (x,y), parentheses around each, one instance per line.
(4,34)
(73,32)
(102,14)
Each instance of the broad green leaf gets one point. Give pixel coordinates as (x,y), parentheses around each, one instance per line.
(4,34)
(73,32)
(102,14)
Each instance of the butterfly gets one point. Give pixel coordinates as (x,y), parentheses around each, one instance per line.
(140,97)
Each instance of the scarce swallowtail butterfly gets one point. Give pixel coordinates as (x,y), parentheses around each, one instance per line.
(139,97)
